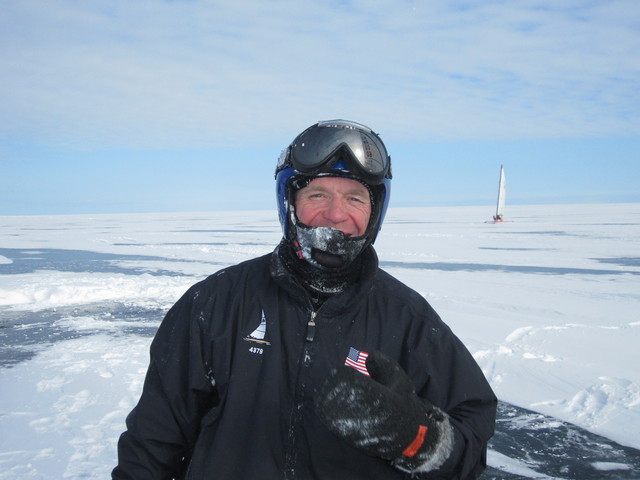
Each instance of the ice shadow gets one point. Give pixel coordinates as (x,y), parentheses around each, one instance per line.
(170,244)
(30,260)
(219,230)
(518,249)
(24,333)
(622,261)
(554,449)
(487,267)
(553,233)
(219,244)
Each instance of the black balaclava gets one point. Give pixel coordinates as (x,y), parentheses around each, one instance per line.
(325,259)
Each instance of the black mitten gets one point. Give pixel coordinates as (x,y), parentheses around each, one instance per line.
(383,417)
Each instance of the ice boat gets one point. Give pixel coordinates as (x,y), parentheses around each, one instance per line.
(502,186)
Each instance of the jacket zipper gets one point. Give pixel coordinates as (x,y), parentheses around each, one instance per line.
(291,471)
(311,327)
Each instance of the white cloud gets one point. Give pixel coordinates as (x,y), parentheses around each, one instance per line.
(153,74)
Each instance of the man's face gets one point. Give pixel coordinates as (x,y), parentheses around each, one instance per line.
(340,203)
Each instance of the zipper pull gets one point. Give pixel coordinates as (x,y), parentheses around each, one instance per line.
(311,327)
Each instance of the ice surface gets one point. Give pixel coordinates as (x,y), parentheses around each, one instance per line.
(611,466)
(547,302)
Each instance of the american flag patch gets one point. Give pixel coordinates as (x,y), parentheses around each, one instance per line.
(357,360)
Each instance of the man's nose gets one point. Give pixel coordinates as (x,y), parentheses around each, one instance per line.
(336,210)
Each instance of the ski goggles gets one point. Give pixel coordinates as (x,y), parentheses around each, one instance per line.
(316,150)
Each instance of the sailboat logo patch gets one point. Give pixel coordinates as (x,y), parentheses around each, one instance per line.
(258,335)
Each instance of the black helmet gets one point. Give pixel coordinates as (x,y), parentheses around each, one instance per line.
(333,148)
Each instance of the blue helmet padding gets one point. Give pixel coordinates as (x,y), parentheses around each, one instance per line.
(282,178)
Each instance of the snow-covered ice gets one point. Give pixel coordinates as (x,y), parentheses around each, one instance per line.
(547,302)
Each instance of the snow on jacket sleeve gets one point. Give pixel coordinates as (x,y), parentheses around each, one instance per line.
(163,427)
(459,387)
(444,373)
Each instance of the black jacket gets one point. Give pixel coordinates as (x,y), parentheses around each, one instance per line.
(236,363)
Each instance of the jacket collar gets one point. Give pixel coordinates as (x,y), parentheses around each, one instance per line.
(336,303)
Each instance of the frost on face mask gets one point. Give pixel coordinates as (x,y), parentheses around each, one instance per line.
(327,247)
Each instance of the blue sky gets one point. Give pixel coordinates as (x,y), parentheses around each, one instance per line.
(184,105)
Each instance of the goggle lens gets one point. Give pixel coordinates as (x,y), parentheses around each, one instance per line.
(314,147)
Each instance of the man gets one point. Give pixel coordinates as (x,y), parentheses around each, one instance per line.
(311,362)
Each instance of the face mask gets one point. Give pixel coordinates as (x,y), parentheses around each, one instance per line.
(327,248)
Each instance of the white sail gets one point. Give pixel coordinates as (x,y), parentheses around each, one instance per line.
(258,335)
(502,191)
(260,332)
